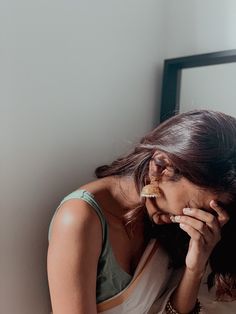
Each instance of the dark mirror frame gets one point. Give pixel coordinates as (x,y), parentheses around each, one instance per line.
(172,77)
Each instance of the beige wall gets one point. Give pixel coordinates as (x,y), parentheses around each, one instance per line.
(79,82)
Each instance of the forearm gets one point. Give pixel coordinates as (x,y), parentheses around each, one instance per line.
(184,298)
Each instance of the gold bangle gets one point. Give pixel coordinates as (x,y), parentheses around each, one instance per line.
(171,310)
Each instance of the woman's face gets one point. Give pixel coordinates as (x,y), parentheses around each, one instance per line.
(175,196)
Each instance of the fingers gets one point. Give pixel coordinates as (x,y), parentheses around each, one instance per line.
(201,215)
(204,230)
(196,228)
(222,217)
(203,222)
(212,221)
(193,233)
(200,218)
(194,223)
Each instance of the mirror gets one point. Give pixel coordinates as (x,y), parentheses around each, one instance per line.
(205,81)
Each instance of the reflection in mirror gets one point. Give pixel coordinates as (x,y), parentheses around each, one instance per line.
(209,87)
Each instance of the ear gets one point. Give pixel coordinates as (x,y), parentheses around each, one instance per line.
(160,166)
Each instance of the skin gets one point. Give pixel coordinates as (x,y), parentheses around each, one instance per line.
(198,214)
(203,227)
(194,209)
(117,196)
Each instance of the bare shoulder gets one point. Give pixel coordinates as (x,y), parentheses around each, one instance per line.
(77,217)
(73,254)
(74,216)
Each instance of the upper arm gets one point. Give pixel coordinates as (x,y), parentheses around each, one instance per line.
(73,253)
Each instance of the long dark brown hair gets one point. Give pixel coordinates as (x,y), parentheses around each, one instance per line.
(201,145)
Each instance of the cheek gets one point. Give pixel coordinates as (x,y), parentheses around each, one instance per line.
(170,205)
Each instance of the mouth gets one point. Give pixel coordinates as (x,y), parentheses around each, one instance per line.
(161,218)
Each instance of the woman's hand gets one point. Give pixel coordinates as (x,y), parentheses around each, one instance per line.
(204,230)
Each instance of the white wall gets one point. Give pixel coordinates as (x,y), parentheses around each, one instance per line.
(80,81)
(198,26)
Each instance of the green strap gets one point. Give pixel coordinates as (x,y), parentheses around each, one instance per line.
(89,198)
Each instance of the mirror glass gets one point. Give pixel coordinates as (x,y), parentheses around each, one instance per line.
(209,87)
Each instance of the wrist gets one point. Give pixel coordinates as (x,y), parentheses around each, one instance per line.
(171,310)
(195,273)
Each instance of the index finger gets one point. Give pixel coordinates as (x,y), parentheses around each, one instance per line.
(223,216)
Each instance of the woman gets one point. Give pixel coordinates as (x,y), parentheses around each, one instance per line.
(140,237)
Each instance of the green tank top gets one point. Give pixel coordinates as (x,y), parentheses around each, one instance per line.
(111,278)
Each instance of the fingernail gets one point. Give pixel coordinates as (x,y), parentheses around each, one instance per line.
(177,218)
(172,218)
(186,210)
